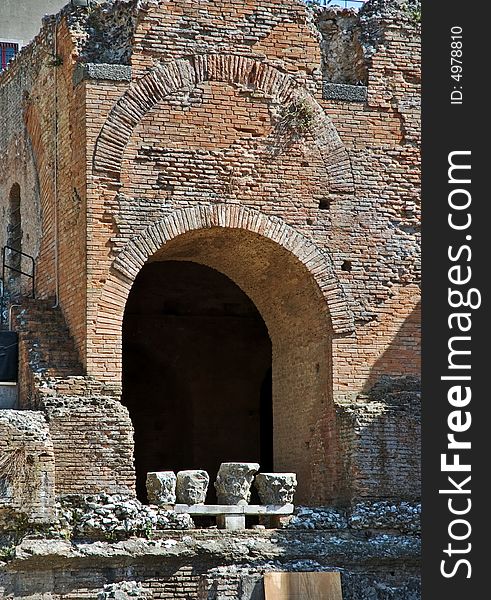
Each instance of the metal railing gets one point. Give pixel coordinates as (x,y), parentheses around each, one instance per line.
(9,267)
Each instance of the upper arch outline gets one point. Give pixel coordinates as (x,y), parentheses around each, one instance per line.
(240,71)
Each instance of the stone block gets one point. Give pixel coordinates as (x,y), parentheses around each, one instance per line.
(191,487)
(276,488)
(233,483)
(231,522)
(106,72)
(161,487)
(348,93)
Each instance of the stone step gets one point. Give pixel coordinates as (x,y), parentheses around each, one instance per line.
(43,330)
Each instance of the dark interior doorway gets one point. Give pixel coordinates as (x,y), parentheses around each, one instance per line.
(196,372)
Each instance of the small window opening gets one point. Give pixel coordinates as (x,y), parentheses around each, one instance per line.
(7,52)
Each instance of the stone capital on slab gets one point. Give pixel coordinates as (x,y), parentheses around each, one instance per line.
(191,487)
(233,483)
(276,488)
(161,487)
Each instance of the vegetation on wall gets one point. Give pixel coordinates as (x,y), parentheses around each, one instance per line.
(298,117)
(14,472)
(412,8)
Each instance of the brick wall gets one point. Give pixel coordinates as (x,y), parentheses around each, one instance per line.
(197,582)
(211,138)
(380,438)
(17,154)
(41,117)
(93,443)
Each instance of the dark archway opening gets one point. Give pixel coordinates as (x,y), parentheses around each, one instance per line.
(196,372)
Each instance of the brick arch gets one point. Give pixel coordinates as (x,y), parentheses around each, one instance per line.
(240,71)
(318,263)
(294,287)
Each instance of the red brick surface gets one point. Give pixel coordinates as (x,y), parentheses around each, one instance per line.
(198,158)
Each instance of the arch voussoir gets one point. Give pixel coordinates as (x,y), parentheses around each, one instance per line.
(141,248)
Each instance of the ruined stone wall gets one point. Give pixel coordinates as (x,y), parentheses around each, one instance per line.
(93,444)
(212,132)
(213,117)
(16,149)
(278,146)
(184,584)
(208,566)
(27,470)
(383,222)
(380,438)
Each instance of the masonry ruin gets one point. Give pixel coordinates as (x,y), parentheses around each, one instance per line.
(210,223)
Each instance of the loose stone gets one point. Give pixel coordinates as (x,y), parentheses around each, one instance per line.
(161,487)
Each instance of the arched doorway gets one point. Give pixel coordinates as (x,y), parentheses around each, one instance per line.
(196,371)
(295,289)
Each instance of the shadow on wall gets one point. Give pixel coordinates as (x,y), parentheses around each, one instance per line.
(381,439)
(403,354)
(380,431)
